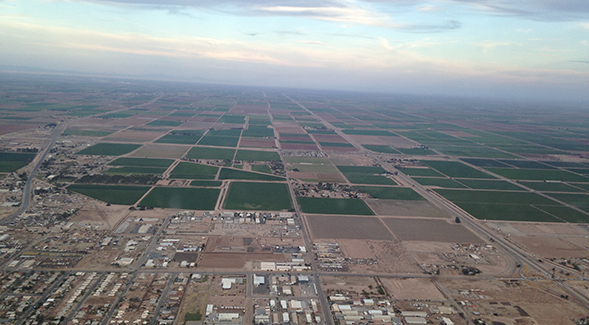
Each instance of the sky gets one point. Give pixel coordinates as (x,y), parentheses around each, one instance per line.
(507,49)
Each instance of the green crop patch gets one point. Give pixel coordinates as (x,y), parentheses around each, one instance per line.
(141,162)
(456,169)
(380,148)
(10,161)
(135,170)
(526,164)
(258,132)
(236,119)
(538,175)
(113,194)
(440,182)
(565,213)
(487,184)
(426,172)
(206,183)
(183,114)
(579,200)
(497,197)
(228,173)
(181,137)
(262,169)
(334,206)
(164,123)
(391,193)
(182,198)
(470,151)
(366,175)
(210,153)
(225,133)
(336,144)
(258,196)
(368,132)
(119,115)
(109,149)
(484,162)
(508,212)
(87,133)
(188,170)
(209,140)
(550,187)
(251,155)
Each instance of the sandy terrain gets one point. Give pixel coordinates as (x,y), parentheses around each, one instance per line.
(412,289)
(405,208)
(430,230)
(338,227)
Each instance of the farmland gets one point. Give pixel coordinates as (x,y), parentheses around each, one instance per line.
(10,162)
(334,206)
(258,196)
(181,198)
(194,171)
(126,195)
(109,149)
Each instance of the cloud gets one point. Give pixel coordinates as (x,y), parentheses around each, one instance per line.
(542,10)
(486,45)
(311,42)
(579,61)
(429,8)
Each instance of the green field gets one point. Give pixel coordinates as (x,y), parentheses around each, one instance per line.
(484,162)
(113,194)
(210,153)
(366,175)
(456,169)
(258,132)
(221,141)
(497,197)
(421,172)
(565,213)
(228,173)
(262,169)
(87,133)
(225,133)
(508,212)
(391,193)
(109,149)
(368,132)
(188,170)
(141,162)
(135,170)
(258,196)
(441,182)
(206,183)
(336,144)
(181,137)
(486,184)
(164,123)
(526,164)
(417,151)
(334,206)
(538,174)
(10,161)
(579,200)
(550,187)
(251,155)
(182,198)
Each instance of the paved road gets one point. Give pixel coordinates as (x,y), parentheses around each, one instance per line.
(26,195)
(46,294)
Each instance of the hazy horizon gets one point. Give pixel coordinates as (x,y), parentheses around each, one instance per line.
(530,50)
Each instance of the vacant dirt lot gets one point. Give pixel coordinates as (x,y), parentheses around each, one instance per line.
(235,260)
(337,227)
(398,208)
(391,255)
(161,151)
(430,230)
(134,136)
(412,289)
(548,246)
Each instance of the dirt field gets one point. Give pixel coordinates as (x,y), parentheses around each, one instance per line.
(412,289)
(134,136)
(391,255)
(430,230)
(351,284)
(398,208)
(515,302)
(235,260)
(551,247)
(340,149)
(256,143)
(329,138)
(299,146)
(541,229)
(337,227)
(351,160)
(10,128)
(94,212)
(161,151)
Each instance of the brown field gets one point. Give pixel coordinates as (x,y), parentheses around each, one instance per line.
(391,255)
(430,230)
(340,149)
(551,247)
(460,134)
(298,146)
(329,138)
(236,260)
(174,118)
(295,138)
(412,289)
(300,175)
(256,143)
(196,125)
(352,284)
(203,119)
(10,128)
(538,305)
(161,151)
(133,136)
(370,139)
(351,160)
(338,227)
(128,121)
(550,229)
(399,208)
(94,212)
(330,177)
(288,128)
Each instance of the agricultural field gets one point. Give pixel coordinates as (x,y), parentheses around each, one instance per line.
(455,169)
(430,230)
(334,206)
(258,196)
(109,149)
(135,170)
(113,194)
(210,153)
(391,193)
(181,137)
(366,175)
(157,150)
(181,198)
(538,174)
(340,227)
(141,162)
(250,155)
(186,170)
(221,141)
(229,173)
(10,162)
